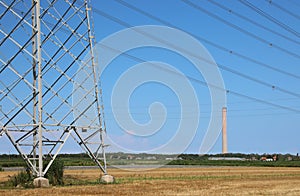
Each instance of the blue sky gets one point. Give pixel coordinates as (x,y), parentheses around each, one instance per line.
(252,57)
(252,126)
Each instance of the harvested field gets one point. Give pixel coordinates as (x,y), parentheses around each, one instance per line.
(178,181)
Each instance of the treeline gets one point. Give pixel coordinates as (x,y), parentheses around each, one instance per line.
(238,159)
(82,159)
(279,157)
(163,156)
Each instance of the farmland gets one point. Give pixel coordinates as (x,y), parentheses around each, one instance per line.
(175,181)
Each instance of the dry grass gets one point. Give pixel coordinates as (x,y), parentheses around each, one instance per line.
(179,181)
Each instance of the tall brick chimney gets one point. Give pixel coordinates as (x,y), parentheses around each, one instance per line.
(224,131)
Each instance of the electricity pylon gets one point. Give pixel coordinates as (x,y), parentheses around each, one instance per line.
(48,81)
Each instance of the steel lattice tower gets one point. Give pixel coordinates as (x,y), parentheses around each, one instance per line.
(49,88)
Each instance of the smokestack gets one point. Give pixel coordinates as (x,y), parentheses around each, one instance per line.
(224,131)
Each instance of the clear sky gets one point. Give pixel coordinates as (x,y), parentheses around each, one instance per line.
(256,46)
(253,126)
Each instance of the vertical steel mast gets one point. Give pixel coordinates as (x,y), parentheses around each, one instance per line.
(40,91)
(34,75)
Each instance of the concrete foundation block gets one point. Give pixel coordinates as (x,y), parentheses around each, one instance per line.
(41,182)
(107,179)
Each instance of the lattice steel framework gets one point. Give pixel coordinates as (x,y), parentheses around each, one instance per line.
(48,80)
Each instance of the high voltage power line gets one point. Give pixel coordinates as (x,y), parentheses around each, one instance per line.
(196,36)
(283,9)
(197,7)
(234,72)
(269,17)
(203,83)
(221,66)
(237,94)
(231,11)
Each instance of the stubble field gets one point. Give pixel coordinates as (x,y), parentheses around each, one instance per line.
(177,181)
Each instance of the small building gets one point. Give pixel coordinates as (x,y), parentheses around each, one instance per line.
(263,158)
